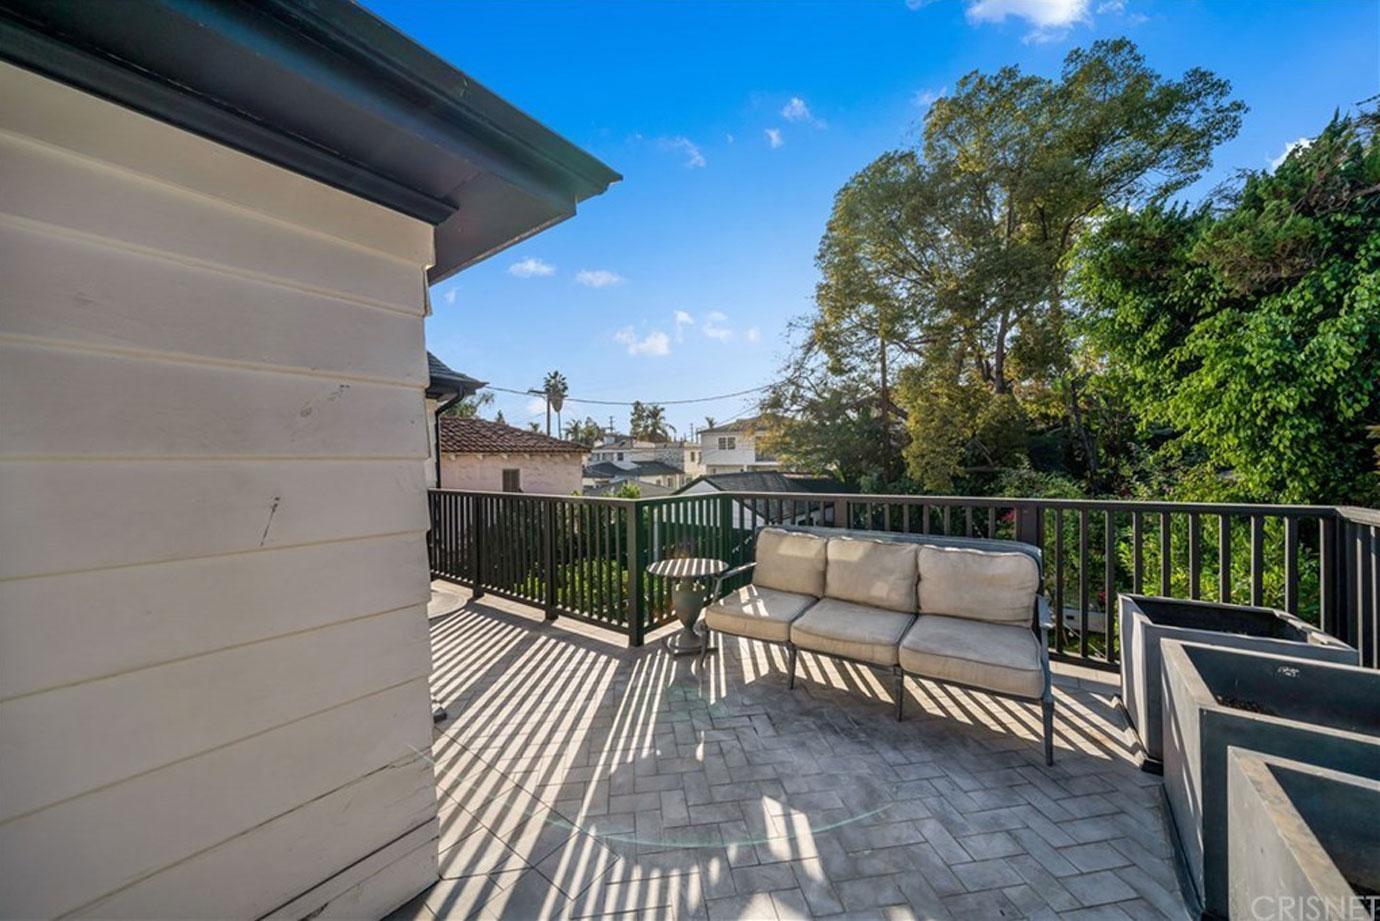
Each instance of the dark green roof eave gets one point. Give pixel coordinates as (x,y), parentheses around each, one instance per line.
(328,90)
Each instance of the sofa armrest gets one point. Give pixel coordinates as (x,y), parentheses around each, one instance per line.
(729,574)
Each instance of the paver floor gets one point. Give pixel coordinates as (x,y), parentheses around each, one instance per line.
(578,778)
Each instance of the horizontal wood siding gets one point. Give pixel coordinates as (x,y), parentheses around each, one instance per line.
(213,576)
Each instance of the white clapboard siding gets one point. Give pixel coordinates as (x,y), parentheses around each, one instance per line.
(318,838)
(376,886)
(61,858)
(156,408)
(71,516)
(75,627)
(213,571)
(80,291)
(51,186)
(212,700)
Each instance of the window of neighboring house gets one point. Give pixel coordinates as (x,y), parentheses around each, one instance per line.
(728,443)
(512,480)
(620,455)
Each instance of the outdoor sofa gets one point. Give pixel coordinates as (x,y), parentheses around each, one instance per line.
(962,611)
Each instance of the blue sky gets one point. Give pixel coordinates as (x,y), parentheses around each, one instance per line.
(734,124)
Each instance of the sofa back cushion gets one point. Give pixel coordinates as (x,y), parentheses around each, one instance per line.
(994,586)
(790,562)
(872,572)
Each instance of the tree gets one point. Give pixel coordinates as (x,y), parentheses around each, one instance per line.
(944,268)
(586,433)
(648,423)
(555,389)
(469,407)
(1248,338)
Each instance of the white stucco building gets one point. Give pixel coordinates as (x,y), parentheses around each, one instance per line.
(733,448)
(477,454)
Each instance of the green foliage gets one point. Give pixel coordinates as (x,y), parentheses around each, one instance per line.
(648,423)
(1251,337)
(586,433)
(941,310)
(627,490)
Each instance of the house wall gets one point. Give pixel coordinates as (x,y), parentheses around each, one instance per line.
(213,578)
(549,474)
(742,457)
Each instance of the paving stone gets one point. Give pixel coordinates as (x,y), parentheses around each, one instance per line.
(656,791)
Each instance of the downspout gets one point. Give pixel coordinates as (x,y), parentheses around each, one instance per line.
(436,427)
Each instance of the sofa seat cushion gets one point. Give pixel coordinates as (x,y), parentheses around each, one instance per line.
(757,612)
(789,561)
(996,657)
(876,573)
(854,631)
(978,584)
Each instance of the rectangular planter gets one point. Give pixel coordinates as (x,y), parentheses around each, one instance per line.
(1304,841)
(1322,714)
(1147,620)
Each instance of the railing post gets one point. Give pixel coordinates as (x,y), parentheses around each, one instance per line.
(548,557)
(1329,573)
(726,534)
(1030,525)
(476,546)
(841,516)
(636,608)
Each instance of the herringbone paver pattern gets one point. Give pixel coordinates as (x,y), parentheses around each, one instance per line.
(578,778)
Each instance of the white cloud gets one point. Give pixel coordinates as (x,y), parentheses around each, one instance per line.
(1051,18)
(753,334)
(916,4)
(1296,144)
(683,320)
(774,138)
(598,278)
(715,326)
(694,159)
(654,343)
(925,98)
(729,138)
(531,267)
(536,407)
(797,111)
(449,296)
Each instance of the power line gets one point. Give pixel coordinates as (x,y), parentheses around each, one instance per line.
(722,396)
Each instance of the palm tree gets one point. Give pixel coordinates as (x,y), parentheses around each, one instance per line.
(555,389)
(649,422)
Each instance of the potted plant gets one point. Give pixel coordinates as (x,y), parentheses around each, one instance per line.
(1302,837)
(1147,620)
(1319,713)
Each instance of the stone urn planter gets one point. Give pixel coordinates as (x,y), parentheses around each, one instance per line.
(1148,620)
(1303,839)
(1319,713)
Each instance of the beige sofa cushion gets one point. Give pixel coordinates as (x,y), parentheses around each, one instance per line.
(757,612)
(854,631)
(996,657)
(871,572)
(790,562)
(978,584)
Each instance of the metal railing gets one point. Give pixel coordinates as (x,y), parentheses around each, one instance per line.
(586,558)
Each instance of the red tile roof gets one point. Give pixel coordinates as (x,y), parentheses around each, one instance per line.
(480,436)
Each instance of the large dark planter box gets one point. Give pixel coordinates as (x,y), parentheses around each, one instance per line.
(1148,620)
(1304,842)
(1316,712)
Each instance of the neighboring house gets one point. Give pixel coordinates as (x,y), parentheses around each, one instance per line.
(732,448)
(645,490)
(683,456)
(653,472)
(770,481)
(478,454)
(443,388)
(218,221)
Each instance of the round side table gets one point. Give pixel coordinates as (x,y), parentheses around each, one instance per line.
(688,577)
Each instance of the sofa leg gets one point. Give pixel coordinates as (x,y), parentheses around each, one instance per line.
(900,691)
(1047,708)
(790,667)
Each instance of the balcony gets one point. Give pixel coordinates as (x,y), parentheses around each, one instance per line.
(583,772)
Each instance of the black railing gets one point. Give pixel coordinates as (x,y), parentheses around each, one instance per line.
(587,557)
